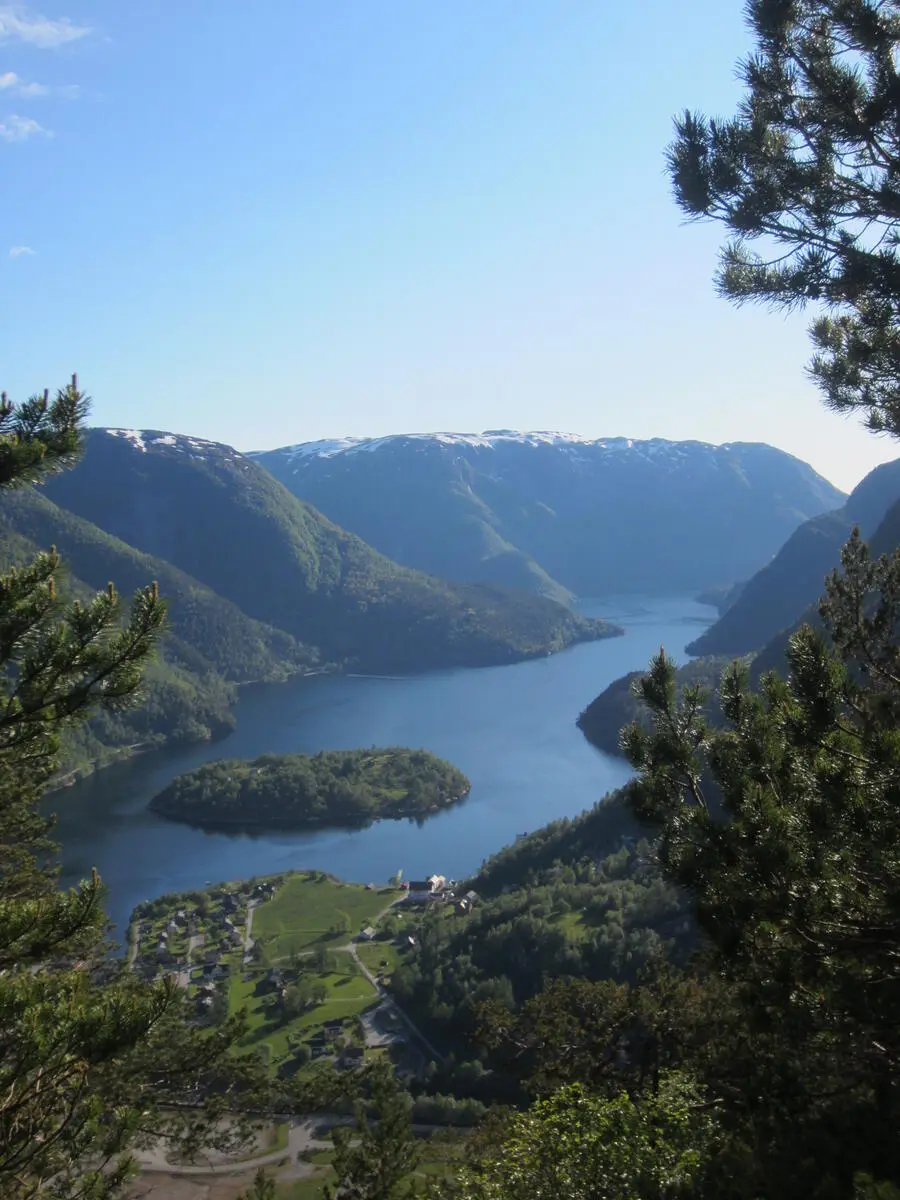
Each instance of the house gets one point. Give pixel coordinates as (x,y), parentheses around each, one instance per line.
(420,890)
(273,982)
(230,903)
(472,897)
(368,934)
(236,937)
(351,1056)
(438,882)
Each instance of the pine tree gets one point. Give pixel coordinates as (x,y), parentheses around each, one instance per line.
(91,1059)
(784,826)
(373,1159)
(806,178)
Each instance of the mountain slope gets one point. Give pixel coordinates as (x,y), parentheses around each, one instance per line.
(773,598)
(210,645)
(884,540)
(224,520)
(781,597)
(205,632)
(550,511)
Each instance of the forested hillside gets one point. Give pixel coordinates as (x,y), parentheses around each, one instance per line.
(772,600)
(211,645)
(224,520)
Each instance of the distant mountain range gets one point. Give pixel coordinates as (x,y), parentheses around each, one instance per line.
(260,584)
(557,514)
(758,616)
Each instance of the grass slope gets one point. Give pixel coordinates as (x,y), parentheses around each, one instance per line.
(311,910)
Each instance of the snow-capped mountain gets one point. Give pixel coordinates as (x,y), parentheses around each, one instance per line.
(143,440)
(558,513)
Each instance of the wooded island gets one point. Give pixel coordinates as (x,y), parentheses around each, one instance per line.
(298,791)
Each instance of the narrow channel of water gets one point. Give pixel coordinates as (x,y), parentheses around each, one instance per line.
(511,729)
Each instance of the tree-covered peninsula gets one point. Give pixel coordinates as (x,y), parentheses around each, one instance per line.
(299,791)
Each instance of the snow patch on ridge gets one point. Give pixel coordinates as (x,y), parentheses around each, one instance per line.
(190,446)
(491,439)
(130,435)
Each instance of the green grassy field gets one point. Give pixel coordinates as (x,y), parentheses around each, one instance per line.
(348,993)
(380,957)
(311,910)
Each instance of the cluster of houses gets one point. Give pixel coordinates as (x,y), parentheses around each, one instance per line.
(438,888)
(176,925)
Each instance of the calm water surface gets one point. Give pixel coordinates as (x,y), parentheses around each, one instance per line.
(511,729)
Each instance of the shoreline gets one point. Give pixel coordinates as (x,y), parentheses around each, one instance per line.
(239,825)
(123,754)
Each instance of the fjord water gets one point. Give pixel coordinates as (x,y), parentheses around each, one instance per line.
(511,729)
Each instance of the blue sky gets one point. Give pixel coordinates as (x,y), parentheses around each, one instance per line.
(288,220)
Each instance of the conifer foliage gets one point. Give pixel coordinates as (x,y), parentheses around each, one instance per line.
(91,1059)
(784,827)
(806,178)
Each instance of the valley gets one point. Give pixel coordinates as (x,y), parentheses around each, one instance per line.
(511,730)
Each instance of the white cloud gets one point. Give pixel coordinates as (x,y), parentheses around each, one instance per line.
(17,86)
(20,251)
(43,32)
(17,129)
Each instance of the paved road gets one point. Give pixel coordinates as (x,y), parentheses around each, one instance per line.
(248,940)
(301,1136)
(389,1002)
(184,977)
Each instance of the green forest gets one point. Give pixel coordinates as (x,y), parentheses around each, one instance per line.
(298,791)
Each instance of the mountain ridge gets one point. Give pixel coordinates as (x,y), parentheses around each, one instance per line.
(224,520)
(561,514)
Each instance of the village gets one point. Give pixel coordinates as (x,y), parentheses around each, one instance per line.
(308,957)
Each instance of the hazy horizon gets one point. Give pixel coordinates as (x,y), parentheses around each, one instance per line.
(273,226)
